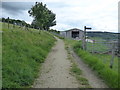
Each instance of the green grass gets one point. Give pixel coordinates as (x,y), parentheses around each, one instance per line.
(23,52)
(75,69)
(78,74)
(100,45)
(96,63)
(97,47)
(106,60)
(98,39)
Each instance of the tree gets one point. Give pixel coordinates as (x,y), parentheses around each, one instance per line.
(43,17)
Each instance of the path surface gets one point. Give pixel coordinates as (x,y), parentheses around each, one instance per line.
(55,71)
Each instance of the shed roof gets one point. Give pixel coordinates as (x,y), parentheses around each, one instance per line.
(73,29)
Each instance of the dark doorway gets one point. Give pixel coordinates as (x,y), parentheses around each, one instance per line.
(75,34)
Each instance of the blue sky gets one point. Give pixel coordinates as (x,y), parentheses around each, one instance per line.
(101,15)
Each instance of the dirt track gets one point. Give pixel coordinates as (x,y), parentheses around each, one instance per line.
(55,71)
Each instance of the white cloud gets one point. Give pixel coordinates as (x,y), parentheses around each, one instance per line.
(99,14)
(62,26)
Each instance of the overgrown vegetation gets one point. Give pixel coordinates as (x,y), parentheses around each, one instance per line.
(110,76)
(23,52)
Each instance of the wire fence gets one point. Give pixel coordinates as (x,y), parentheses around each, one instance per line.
(102,47)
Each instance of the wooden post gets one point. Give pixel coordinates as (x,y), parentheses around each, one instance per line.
(113,55)
(8,22)
(84,39)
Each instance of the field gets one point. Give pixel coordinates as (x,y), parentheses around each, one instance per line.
(23,51)
(100,45)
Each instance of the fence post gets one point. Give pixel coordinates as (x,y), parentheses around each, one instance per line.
(92,47)
(8,22)
(84,38)
(113,55)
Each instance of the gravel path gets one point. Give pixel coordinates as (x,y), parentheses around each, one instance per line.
(55,71)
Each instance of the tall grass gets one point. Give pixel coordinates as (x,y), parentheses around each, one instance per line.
(23,52)
(110,76)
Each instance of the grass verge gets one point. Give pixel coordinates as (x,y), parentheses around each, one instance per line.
(110,76)
(23,52)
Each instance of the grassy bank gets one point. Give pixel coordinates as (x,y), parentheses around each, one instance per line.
(96,63)
(23,52)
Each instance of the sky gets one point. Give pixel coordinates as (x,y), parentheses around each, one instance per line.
(100,15)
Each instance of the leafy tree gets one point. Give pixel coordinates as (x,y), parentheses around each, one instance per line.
(43,17)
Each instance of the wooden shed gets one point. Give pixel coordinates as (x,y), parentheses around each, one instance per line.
(73,33)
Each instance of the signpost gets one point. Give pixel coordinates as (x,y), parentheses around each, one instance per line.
(84,37)
(8,22)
